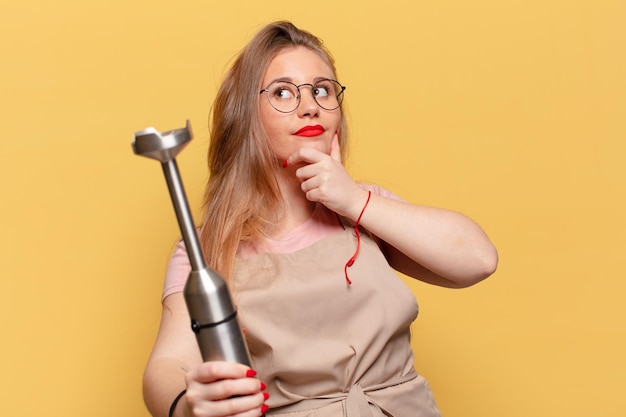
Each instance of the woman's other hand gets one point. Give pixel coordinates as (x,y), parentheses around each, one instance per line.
(216,389)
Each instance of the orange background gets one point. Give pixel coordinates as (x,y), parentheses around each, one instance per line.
(513,112)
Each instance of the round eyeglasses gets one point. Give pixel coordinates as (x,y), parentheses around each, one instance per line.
(284,96)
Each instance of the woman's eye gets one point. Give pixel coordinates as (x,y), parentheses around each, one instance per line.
(321,91)
(283,93)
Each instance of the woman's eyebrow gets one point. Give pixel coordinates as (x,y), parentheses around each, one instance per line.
(316,79)
(281,80)
(291,80)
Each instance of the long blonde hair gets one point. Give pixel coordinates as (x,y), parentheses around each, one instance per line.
(242,195)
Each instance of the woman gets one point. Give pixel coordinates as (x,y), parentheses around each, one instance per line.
(306,251)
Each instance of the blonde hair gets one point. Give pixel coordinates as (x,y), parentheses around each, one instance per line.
(242,196)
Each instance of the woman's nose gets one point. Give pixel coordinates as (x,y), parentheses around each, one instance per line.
(308,106)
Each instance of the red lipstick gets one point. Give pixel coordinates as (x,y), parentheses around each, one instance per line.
(310,131)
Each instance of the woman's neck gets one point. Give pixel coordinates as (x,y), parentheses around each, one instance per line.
(297,208)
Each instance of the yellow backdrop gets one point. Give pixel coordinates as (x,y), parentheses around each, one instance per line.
(513,112)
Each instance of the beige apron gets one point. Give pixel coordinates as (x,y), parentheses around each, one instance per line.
(326,348)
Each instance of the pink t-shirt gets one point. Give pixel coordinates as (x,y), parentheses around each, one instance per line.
(322,223)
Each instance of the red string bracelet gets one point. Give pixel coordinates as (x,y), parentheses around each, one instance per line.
(358,239)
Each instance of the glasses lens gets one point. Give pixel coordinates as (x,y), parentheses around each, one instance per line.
(328,94)
(283,96)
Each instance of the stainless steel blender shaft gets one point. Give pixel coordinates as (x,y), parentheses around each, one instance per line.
(213,317)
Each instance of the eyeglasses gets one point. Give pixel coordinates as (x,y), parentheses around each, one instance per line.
(284,96)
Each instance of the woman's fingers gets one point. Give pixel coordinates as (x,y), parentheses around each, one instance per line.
(217,389)
(216,370)
(242,406)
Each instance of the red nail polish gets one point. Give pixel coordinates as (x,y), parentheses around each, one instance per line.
(250,373)
(263,386)
(286,163)
(266,396)
(264,408)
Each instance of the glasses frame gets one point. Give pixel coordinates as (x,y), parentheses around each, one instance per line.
(339,95)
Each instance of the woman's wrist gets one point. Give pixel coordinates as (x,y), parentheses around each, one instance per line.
(175,402)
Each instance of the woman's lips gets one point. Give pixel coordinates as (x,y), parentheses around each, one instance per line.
(310,131)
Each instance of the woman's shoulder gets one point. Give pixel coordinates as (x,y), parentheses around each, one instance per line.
(178,270)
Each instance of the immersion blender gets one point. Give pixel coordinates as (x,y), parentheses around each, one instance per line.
(213,317)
